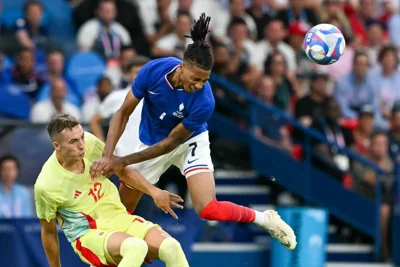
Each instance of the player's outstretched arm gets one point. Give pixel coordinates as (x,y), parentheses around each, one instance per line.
(163,199)
(177,137)
(117,127)
(50,242)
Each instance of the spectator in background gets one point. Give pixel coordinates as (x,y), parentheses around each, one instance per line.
(375,40)
(127,55)
(259,12)
(394,135)
(274,34)
(276,67)
(329,126)
(127,16)
(54,65)
(387,81)
(29,30)
(358,19)
(271,129)
(393,28)
(43,111)
(91,105)
(157,19)
(103,34)
(333,10)
(364,130)
(118,72)
(365,179)
(297,11)
(236,10)
(15,199)
(243,54)
(24,75)
(174,44)
(310,107)
(305,66)
(357,89)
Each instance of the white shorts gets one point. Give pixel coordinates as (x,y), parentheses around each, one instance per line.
(191,157)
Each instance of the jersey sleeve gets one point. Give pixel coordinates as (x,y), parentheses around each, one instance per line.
(200,112)
(46,203)
(141,83)
(94,146)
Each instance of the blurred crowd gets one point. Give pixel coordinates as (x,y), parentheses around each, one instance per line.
(257,45)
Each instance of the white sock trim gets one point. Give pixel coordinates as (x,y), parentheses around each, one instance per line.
(260,217)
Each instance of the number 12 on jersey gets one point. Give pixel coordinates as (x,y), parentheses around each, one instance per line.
(95,191)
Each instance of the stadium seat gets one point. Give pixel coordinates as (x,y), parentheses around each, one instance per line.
(84,69)
(7,63)
(13,102)
(10,15)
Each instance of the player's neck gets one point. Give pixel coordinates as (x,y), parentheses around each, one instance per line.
(72,165)
(175,79)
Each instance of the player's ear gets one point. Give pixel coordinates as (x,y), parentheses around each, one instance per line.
(56,146)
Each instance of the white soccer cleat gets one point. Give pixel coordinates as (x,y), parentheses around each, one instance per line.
(279,229)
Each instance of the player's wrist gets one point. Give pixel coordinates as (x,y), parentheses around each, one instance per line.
(154,191)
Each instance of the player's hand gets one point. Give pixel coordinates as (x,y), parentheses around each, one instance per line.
(166,201)
(98,167)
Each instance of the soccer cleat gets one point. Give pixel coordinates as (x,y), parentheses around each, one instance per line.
(279,229)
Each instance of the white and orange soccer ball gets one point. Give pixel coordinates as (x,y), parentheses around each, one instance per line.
(324,44)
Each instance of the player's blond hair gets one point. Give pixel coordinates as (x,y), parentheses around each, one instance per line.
(60,122)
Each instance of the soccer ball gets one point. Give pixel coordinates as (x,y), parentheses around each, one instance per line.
(324,44)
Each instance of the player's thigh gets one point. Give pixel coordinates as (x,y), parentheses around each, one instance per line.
(194,156)
(92,247)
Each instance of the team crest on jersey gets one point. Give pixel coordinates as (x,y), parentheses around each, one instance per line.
(179,113)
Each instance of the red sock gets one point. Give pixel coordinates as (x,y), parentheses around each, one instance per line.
(227,211)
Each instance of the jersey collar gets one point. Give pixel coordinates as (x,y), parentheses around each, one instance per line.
(166,79)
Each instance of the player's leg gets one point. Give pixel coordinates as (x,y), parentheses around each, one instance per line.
(130,197)
(102,248)
(202,191)
(195,162)
(161,245)
(126,250)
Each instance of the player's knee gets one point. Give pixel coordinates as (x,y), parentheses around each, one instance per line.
(171,252)
(134,245)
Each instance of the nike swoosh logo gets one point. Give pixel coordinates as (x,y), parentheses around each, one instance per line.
(153,93)
(190,162)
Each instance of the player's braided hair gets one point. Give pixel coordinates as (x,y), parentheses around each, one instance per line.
(199,52)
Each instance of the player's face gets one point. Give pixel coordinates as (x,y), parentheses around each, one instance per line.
(193,78)
(71,143)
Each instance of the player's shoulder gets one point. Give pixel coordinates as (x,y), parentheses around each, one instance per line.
(205,95)
(49,175)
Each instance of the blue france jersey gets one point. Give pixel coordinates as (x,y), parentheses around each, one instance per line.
(165,107)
